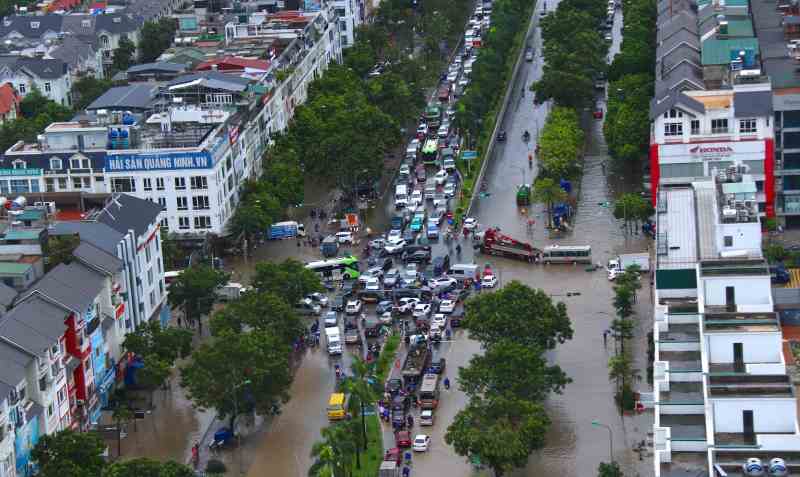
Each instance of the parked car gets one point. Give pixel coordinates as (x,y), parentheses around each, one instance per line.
(338,302)
(433,231)
(529,54)
(344,237)
(421,443)
(407,305)
(353,307)
(441,177)
(437,367)
(426,417)
(352,336)
(391,278)
(395,245)
(422,310)
(402,439)
(488,281)
(443,283)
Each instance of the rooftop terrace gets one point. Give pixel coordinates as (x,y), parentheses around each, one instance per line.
(749,385)
(746,322)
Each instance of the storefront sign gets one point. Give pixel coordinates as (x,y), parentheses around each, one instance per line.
(711,151)
(707,152)
(20,172)
(158,161)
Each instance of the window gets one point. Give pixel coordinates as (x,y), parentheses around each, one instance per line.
(49,185)
(21,88)
(147,183)
(183,223)
(123,184)
(47,87)
(55,163)
(747,126)
(4,187)
(61,395)
(62,183)
(728,240)
(86,23)
(180,183)
(159,183)
(200,202)
(50,410)
(152,299)
(673,129)
(182,203)
(673,113)
(695,127)
(87,182)
(199,182)
(19,185)
(162,201)
(34,25)
(19,164)
(165,223)
(719,126)
(202,222)
(76,182)
(105,41)
(150,276)
(147,255)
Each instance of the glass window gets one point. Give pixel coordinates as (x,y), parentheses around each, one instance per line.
(87,182)
(728,240)
(159,183)
(55,163)
(162,201)
(747,126)
(49,185)
(183,223)
(19,185)
(19,164)
(180,183)
(123,184)
(673,129)
(202,222)
(76,182)
(199,182)
(4,187)
(200,202)
(62,183)
(695,127)
(147,183)
(183,203)
(719,126)
(35,185)
(47,87)
(164,223)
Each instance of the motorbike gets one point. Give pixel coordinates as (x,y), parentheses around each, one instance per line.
(526,136)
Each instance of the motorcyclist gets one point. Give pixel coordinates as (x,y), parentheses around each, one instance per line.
(526,135)
(458,249)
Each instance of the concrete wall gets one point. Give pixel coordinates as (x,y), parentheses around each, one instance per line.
(769,414)
(747,290)
(757,347)
(746,236)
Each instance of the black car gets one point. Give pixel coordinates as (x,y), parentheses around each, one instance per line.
(350,323)
(394,386)
(383,307)
(419,256)
(414,248)
(437,367)
(338,302)
(501,136)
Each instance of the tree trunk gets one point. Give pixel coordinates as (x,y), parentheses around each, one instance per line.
(232,422)
(119,440)
(363,425)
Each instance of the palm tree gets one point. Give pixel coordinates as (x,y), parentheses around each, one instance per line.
(360,388)
(547,191)
(333,455)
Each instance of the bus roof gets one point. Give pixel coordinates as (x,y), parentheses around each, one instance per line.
(333,261)
(567,248)
(173,274)
(429,382)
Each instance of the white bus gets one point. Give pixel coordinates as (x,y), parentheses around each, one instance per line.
(171,276)
(567,254)
(336,268)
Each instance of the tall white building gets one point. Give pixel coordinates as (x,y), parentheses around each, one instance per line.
(721,392)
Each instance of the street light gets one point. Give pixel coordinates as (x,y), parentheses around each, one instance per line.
(596,423)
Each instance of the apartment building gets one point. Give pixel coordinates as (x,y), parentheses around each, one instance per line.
(721,392)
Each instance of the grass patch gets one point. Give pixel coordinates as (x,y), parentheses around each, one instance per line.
(371,459)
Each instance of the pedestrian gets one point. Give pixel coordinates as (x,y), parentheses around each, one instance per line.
(406,471)
(196,454)
(605,338)
(447,383)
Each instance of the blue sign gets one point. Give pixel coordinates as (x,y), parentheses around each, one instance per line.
(25,440)
(158,161)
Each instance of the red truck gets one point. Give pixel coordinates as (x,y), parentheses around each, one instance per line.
(496,243)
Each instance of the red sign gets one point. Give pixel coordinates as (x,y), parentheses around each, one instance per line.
(120,310)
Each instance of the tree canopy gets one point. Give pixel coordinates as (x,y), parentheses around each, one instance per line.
(194,290)
(259,311)
(289,280)
(69,453)
(155,38)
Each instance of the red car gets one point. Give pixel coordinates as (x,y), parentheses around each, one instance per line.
(394,454)
(402,439)
(598,114)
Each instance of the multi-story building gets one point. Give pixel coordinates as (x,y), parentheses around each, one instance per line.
(203,137)
(351,15)
(721,391)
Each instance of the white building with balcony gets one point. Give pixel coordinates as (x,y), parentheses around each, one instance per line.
(697,133)
(721,392)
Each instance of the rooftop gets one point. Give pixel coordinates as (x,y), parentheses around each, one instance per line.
(745,322)
(13,268)
(736,385)
(676,241)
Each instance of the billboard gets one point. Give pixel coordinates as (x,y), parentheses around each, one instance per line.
(166,161)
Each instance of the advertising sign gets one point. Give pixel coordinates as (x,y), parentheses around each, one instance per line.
(158,161)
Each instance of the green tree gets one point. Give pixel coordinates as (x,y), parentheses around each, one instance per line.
(238,373)
(518,314)
(122,415)
(167,344)
(69,453)
(548,192)
(155,38)
(35,104)
(123,56)
(512,369)
(87,89)
(336,452)
(144,467)
(194,291)
(259,311)
(502,431)
(60,248)
(632,208)
(289,280)
(170,251)
(609,470)
(362,391)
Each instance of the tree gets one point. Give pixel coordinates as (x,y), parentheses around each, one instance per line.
(518,314)
(144,467)
(155,38)
(122,414)
(167,344)
(123,56)
(514,370)
(548,192)
(609,470)
(259,311)
(87,89)
(239,372)
(502,432)
(289,280)
(69,453)
(60,248)
(359,387)
(35,104)
(334,454)
(194,291)
(632,208)
(170,251)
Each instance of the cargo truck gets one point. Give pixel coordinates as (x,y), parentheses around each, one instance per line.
(619,264)
(416,363)
(495,243)
(334,341)
(285,230)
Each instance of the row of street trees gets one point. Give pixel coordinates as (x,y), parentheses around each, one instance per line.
(620,365)
(505,419)
(627,124)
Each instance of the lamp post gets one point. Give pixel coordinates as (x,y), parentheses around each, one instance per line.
(596,423)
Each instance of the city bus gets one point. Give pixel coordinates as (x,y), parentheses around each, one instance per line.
(433,116)
(430,152)
(171,276)
(340,268)
(567,254)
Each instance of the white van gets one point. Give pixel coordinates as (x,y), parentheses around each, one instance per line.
(334,341)
(401,196)
(462,271)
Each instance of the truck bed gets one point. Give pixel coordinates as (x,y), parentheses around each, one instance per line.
(415,361)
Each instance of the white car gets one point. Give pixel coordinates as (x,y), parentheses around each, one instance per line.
(353,307)
(464,82)
(452,76)
(441,282)
(394,246)
(441,177)
(421,443)
(449,190)
(373,284)
(422,130)
(416,198)
(407,304)
(447,306)
(439,320)
(331,319)
(422,310)
(443,132)
(405,170)
(426,417)
(391,277)
(345,237)
(489,281)
(319,298)
(470,223)
(377,243)
(394,235)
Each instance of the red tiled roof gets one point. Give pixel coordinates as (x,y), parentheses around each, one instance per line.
(229,63)
(8,99)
